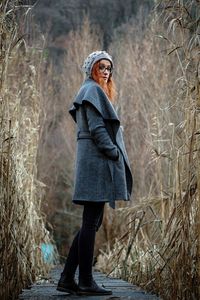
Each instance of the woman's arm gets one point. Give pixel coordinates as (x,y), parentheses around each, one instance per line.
(100,134)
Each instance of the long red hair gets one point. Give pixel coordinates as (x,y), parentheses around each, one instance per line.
(108,87)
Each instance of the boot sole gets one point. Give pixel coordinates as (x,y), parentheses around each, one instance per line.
(61,289)
(93,293)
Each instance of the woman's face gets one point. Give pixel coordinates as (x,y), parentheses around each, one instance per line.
(104,69)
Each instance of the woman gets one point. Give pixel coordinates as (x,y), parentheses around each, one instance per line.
(102,169)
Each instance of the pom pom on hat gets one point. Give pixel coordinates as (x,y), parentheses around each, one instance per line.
(93,58)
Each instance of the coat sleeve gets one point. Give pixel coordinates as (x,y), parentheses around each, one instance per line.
(99,132)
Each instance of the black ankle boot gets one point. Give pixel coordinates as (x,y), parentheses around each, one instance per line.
(67,285)
(92,289)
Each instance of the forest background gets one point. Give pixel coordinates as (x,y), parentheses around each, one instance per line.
(155,46)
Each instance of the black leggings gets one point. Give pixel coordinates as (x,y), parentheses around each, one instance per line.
(82,248)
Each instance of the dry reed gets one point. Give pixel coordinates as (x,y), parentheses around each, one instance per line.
(22,223)
(160,250)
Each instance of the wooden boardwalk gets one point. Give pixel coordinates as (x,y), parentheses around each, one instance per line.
(46,289)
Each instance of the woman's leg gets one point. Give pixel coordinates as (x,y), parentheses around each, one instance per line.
(72,259)
(81,252)
(92,219)
(84,239)
(66,282)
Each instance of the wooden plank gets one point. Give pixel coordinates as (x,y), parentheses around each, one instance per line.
(46,289)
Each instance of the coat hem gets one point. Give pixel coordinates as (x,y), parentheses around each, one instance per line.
(82,201)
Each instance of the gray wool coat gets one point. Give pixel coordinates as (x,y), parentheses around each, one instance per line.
(102,168)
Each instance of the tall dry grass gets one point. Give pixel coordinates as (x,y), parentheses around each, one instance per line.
(159,105)
(22,223)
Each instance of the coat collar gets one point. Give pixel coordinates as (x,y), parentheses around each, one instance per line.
(92,92)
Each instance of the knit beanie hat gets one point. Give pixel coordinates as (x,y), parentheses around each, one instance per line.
(93,58)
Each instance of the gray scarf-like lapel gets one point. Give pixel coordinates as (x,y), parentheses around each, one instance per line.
(92,92)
